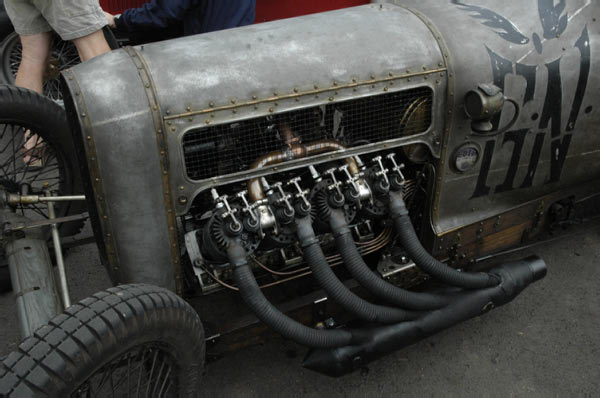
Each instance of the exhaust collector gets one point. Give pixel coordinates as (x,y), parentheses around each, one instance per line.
(379,341)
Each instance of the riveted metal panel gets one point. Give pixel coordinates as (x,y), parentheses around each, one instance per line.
(269,69)
(124,160)
(287,65)
(546,58)
(163,153)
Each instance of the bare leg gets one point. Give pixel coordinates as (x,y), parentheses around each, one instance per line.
(91,45)
(34,60)
(35,54)
(36,51)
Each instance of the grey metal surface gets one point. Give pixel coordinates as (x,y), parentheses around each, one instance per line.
(14,199)
(272,68)
(266,69)
(128,191)
(288,65)
(32,277)
(524,42)
(43,223)
(60,263)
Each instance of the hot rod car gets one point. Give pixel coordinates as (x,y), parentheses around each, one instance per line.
(343,157)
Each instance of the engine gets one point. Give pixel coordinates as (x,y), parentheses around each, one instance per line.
(267,227)
(262,211)
(231,149)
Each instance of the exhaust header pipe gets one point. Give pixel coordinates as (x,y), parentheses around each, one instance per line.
(379,341)
(340,351)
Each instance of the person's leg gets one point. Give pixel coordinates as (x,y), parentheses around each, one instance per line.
(80,21)
(36,40)
(91,45)
(34,32)
(34,60)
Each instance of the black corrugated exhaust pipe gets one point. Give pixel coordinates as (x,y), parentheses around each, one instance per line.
(335,288)
(410,242)
(374,283)
(379,341)
(271,316)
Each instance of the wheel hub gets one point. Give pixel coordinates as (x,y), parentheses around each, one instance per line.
(52,69)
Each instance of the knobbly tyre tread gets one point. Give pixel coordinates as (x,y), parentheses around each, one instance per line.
(61,355)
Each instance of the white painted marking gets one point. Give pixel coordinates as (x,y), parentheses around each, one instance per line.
(120,118)
(577,12)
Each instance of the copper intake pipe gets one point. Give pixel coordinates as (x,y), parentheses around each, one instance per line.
(295,151)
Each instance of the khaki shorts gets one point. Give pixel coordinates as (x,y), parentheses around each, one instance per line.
(71,19)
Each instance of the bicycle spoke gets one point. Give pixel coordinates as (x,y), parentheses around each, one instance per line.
(160,392)
(129,376)
(162,366)
(39,211)
(137,393)
(18,142)
(151,373)
(41,173)
(107,374)
(11,141)
(112,385)
(154,370)
(168,387)
(14,160)
(125,377)
(3,131)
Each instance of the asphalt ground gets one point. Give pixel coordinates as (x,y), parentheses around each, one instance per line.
(546,343)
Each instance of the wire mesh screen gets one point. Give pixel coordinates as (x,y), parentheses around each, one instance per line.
(229,148)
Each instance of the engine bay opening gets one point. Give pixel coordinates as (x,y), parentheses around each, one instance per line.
(228,213)
(229,148)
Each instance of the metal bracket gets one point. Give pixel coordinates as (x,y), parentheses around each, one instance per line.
(222,201)
(248,208)
(360,186)
(351,180)
(284,198)
(336,184)
(266,218)
(60,264)
(383,171)
(397,168)
(16,199)
(302,194)
(193,250)
(43,223)
(388,268)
